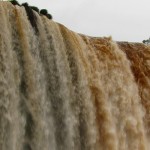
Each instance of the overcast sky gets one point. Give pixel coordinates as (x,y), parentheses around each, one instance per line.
(124,20)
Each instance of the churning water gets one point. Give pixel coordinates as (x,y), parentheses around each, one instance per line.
(63,91)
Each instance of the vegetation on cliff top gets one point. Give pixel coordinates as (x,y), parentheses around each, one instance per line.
(41,12)
(146,41)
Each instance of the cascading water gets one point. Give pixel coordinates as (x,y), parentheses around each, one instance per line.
(63,91)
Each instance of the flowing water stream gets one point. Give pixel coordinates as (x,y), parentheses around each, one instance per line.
(63,91)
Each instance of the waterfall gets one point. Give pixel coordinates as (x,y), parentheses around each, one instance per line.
(60,90)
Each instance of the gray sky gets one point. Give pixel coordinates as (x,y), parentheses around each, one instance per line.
(124,20)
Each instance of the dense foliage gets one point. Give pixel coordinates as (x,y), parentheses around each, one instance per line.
(41,12)
(146,41)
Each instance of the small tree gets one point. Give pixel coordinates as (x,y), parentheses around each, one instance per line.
(35,9)
(25,4)
(147,42)
(43,12)
(49,16)
(14,2)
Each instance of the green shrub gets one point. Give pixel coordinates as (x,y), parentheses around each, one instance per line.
(14,2)
(35,8)
(49,16)
(43,12)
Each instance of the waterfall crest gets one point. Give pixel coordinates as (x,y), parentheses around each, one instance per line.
(60,90)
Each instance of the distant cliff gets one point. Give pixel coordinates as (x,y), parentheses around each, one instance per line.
(60,90)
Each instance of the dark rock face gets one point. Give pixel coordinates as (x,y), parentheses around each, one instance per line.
(31,16)
(27,147)
(35,9)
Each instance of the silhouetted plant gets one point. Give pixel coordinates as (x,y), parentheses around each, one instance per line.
(14,2)
(43,12)
(49,16)
(146,41)
(35,8)
(25,4)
